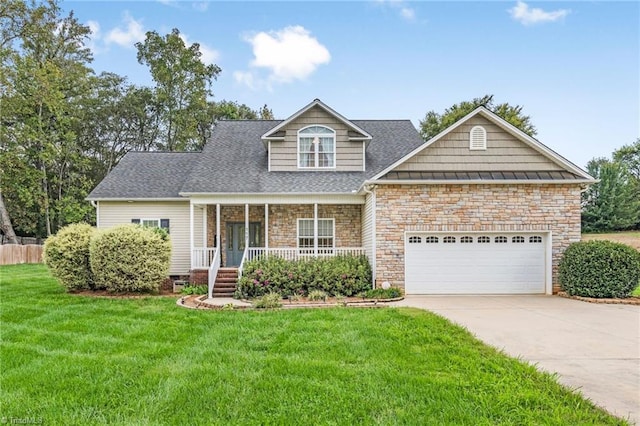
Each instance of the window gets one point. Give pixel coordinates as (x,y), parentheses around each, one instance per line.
(484,240)
(535,239)
(414,240)
(501,239)
(517,239)
(316,148)
(153,223)
(478,138)
(306,236)
(449,239)
(466,239)
(431,240)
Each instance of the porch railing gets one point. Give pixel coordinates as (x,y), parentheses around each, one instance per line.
(202,257)
(213,272)
(294,253)
(244,258)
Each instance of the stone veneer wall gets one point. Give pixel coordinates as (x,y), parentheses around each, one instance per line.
(400,208)
(283,222)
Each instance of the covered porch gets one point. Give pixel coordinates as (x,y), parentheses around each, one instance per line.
(228,234)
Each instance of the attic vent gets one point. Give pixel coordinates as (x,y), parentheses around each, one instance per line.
(478,138)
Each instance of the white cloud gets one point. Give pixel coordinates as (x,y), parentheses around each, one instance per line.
(289,54)
(209,55)
(406,12)
(522,13)
(94,27)
(200,6)
(133,33)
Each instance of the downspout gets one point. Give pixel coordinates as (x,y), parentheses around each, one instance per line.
(371,190)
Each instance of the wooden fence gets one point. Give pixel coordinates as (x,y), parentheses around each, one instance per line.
(11,254)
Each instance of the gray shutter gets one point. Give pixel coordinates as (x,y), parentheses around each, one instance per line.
(164,224)
(136,221)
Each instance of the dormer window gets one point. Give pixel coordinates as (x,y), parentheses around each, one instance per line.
(316,148)
(478,138)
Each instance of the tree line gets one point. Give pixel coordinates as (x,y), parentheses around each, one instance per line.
(63,127)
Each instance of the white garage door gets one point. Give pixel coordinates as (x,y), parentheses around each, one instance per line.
(475,263)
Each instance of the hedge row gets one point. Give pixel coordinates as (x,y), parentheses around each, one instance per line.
(346,275)
(127,258)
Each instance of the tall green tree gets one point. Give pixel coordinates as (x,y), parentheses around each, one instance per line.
(45,77)
(433,122)
(183,86)
(612,203)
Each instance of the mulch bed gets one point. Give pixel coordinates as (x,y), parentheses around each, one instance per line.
(629,301)
(197,302)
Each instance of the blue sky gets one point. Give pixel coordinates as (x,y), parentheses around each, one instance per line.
(574,66)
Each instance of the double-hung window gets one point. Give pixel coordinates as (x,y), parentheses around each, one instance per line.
(307,237)
(316,148)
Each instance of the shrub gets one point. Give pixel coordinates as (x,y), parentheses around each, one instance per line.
(381,293)
(317,295)
(346,275)
(268,301)
(67,256)
(194,289)
(130,258)
(599,269)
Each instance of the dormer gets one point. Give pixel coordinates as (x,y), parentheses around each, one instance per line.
(316,138)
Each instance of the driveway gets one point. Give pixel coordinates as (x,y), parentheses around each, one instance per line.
(594,348)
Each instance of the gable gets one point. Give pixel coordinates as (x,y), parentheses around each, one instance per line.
(504,152)
(283,152)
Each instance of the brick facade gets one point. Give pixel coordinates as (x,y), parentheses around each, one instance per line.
(400,208)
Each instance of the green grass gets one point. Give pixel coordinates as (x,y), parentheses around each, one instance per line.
(70,359)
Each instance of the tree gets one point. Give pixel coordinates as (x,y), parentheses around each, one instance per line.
(434,123)
(183,84)
(44,78)
(612,203)
(629,155)
(5,223)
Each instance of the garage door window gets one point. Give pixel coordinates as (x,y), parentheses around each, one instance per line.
(449,239)
(501,240)
(431,240)
(415,240)
(484,240)
(535,239)
(517,239)
(466,239)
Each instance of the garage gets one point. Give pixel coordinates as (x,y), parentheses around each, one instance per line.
(476,263)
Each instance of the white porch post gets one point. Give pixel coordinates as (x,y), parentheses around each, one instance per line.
(266,226)
(218,229)
(191,232)
(246,226)
(315,228)
(204,226)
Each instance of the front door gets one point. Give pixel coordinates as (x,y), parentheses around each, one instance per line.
(235,241)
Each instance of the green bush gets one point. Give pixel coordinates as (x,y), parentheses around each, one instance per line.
(347,275)
(317,296)
(268,301)
(381,293)
(601,269)
(194,289)
(67,256)
(130,258)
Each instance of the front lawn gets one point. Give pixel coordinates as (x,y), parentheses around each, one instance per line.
(69,359)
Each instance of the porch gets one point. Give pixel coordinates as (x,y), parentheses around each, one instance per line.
(228,235)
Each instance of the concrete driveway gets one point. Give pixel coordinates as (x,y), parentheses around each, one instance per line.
(594,348)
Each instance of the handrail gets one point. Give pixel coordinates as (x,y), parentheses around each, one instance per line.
(213,272)
(202,257)
(244,256)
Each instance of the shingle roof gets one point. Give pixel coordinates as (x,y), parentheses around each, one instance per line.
(484,175)
(147,175)
(235,161)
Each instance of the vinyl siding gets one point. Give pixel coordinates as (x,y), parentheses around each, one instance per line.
(284,153)
(114,213)
(504,152)
(368,227)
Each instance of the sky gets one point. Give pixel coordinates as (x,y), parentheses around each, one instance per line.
(574,67)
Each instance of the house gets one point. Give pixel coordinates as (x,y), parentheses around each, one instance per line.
(481,208)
